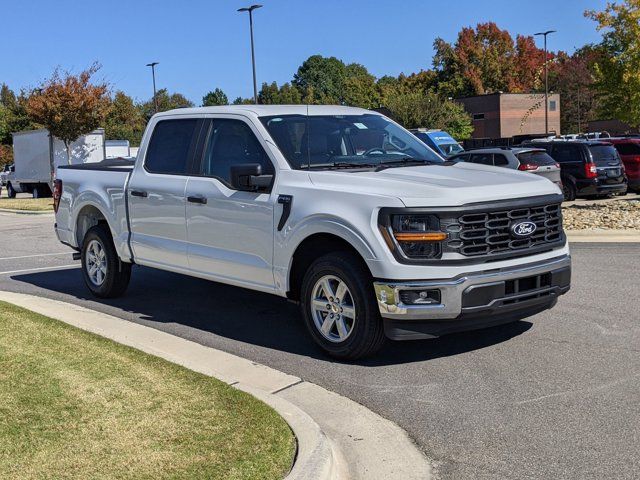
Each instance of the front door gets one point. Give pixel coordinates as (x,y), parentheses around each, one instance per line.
(157,195)
(230,232)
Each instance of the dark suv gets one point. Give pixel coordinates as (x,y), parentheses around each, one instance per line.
(588,168)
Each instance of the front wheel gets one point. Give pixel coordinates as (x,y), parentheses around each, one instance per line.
(104,274)
(569,191)
(339,307)
(11,193)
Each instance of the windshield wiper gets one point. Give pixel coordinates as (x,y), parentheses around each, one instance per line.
(404,162)
(337,165)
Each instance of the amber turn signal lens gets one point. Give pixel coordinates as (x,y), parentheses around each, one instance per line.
(421,237)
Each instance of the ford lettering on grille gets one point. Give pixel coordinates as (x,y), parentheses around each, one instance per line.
(523,229)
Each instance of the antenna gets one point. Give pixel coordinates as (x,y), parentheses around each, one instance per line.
(308,139)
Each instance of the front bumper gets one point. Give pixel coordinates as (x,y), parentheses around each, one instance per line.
(474,300)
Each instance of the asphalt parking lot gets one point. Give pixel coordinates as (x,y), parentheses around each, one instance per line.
(554,397)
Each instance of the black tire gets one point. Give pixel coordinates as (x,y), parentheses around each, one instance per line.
(36,192)
(115,280)
(11,193)
(569,191)
(366,333)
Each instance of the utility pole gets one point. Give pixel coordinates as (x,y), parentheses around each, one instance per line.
(153,74)
(546,81)
(253,55)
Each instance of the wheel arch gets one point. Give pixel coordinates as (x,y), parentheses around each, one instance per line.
(311,248)
(88,216)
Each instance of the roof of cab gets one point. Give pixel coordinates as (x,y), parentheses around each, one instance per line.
(270,110)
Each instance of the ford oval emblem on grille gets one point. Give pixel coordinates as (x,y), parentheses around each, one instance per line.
(523,229)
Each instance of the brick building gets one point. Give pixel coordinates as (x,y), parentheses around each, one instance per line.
(507,115)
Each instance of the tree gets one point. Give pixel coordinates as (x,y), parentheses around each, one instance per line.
(124,120)
(165,101)
(70,105)
(487,60)
(215,97)
(325,75)
(13,113)
(414,109)
(359,87)
(617,71)
(572,76)
(271,94)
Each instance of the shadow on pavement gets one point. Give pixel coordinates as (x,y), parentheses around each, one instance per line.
(163,299)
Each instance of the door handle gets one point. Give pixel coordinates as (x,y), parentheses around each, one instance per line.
(200,200)
(139,193)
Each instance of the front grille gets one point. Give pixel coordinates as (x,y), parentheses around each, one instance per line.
(489,232)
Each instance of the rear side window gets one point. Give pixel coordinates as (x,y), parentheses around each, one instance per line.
(603,155)
(482,158)
(500,160)
(536,158)
(631,148)
(170,146)
(566,153)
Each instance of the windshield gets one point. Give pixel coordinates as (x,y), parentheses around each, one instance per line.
(349,141)
(451,148)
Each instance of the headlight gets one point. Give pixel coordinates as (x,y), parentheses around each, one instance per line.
(417,236)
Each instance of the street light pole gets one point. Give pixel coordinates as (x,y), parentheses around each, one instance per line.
(153,74)
(546,81)
(253,55)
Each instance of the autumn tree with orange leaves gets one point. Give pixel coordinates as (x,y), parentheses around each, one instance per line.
(70,106)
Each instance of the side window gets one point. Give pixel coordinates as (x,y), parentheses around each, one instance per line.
(483,158)
(170,146)
(500,160)
(564,153)
(231,142)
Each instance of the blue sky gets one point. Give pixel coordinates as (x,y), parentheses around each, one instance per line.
(205,44)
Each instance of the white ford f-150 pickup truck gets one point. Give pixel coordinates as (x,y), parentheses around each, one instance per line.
(337,208)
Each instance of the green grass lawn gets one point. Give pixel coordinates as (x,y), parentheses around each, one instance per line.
(76,405)
(25,203)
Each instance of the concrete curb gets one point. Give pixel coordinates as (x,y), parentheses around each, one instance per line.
(603,236)
(337,438)
(26,212)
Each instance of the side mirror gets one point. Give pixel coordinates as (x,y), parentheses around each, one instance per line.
(248,177)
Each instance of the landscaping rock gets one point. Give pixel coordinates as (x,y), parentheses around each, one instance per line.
(622,215)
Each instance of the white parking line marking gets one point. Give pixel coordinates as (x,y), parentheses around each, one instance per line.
(37,255)
(43,269)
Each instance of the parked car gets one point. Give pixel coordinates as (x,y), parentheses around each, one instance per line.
(588,168)
(337,208)
(526,159)
(437,140)
(629,151)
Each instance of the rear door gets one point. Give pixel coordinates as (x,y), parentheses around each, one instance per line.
(230,232)
(157,195)
(608,163)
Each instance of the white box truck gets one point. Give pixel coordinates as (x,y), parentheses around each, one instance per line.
(34,152)
(117,148)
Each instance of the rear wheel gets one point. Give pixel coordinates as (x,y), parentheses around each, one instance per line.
(11,193)
(36,192)
(104,274)
(339,307)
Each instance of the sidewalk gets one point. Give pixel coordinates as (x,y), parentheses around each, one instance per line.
(603,236)
(337,438)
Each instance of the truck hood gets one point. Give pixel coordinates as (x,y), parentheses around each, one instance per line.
(439,185)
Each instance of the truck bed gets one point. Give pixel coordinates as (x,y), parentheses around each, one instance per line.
(100,186)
